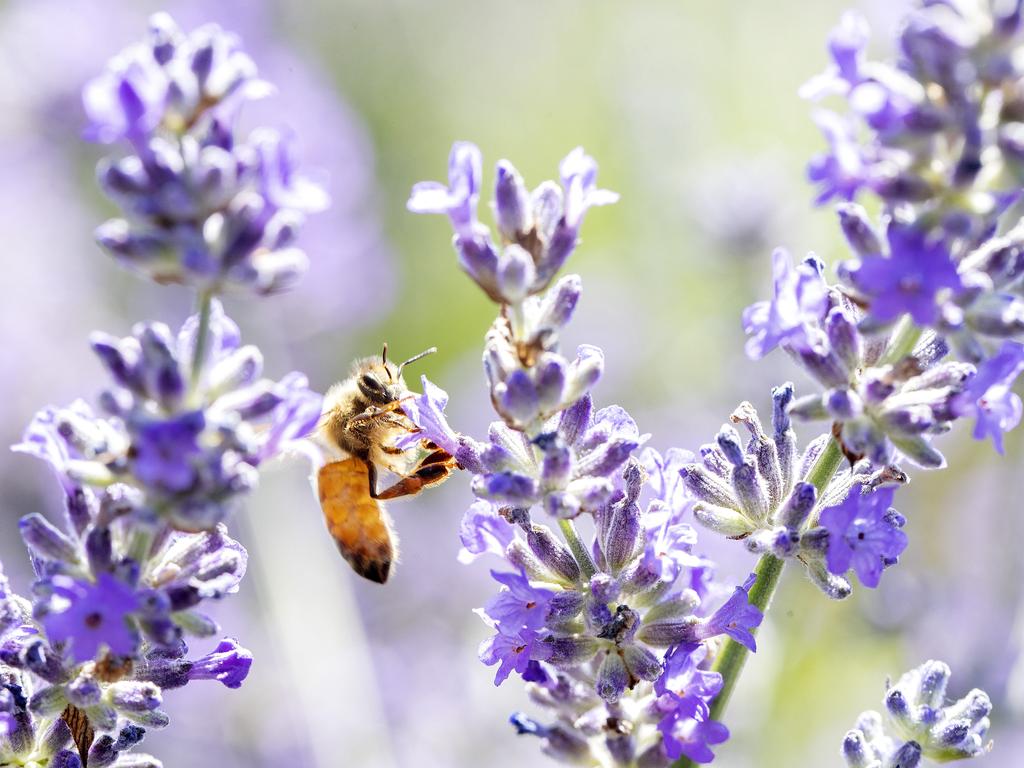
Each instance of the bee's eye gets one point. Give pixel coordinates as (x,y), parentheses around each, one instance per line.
(374,390)
(371,383)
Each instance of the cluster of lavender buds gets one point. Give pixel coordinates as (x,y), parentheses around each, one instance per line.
(935,137)
(919,724)
(151,479)
(203,207)
(757,493)
(187,429)
(614,637)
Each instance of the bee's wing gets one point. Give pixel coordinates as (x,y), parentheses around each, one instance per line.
(357,522)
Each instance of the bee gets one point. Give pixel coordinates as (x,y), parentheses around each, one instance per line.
(361,422)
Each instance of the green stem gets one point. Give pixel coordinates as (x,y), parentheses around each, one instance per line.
(204,304)
(768,571)
(825,466)
(902,342)
(579,551)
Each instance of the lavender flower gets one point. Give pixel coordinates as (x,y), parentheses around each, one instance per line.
(863,534)
(204,208)
(988,397)
(609,636)
(756,493)
(918,723)
(799,299)
(95,615)
(885,401)
(538,230)
(190,441)
(188,420)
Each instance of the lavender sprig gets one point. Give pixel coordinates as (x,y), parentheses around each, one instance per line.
(614,634)
(918,723)
(185,424)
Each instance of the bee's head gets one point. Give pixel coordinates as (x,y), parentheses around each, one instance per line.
(381,381)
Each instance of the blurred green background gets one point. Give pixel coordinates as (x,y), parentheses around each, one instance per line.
(691,111)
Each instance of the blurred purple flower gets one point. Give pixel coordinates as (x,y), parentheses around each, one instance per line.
(910,279)
(799,301)
(989,397)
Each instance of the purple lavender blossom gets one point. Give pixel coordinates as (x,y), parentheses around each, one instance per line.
(864,534)
(843,171)
(204,457)
(458,200)
(228,663)
(911,279)
(512,652)
(988,396)
(735,618)
(797,304)
(94,616)
(521,605)
(539,230)
(684,694)
(203,207)
(483,531)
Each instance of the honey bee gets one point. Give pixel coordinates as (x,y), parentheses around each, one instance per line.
(362,419)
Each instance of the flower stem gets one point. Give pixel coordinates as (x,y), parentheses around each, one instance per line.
(768,571)
(579,551)
(204,303)
(902,341)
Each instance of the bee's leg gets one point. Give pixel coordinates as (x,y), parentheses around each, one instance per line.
(425,476)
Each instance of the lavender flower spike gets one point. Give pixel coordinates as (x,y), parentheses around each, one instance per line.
(919,723)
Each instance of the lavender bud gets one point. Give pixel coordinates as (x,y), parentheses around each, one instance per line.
(559,303)
(479,260)
(521,556)
(784,437)
(517,397)
(584,372)
(552,553)
(727,522)
(857,228)
(48,701)
(134,697)
(516,274)
(551,381)
(793,513)
(834,587)
(612,677)
(843,404)
(708,487)
(729,442)
(45,540)
(570,651)
(844,337)
(512,207)
(751,492)
(641,663)
(907,756)
(622,536)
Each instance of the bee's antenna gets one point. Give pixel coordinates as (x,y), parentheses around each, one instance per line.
(384,361)
(414,358)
